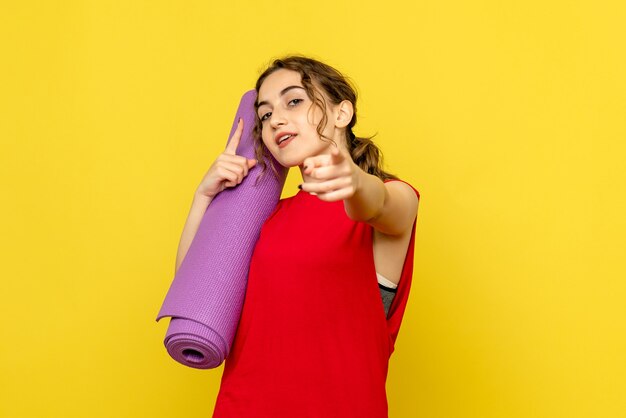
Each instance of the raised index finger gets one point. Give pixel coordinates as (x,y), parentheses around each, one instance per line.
(233,143)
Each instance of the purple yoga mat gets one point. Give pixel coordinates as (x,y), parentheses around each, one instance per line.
(206,296)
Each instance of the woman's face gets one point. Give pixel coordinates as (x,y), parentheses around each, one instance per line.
(286,109)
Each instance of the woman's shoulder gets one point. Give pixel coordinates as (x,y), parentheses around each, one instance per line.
(405,182)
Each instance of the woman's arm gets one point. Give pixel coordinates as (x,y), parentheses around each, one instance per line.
(389,207)
(198,208)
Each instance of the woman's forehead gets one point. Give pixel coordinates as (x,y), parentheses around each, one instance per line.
(276,82)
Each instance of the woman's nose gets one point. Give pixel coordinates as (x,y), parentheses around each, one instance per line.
(277,119)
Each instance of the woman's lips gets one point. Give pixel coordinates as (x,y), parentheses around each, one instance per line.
(287,141)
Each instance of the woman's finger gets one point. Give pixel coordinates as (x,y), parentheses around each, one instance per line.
(312,162)
(233,143)
(233,158)
(340,194)
(327,172)
(236,169)
(226,174)
(326,186)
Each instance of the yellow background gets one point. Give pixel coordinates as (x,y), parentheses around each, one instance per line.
(509,117)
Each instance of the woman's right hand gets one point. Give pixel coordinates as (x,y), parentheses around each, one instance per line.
(228,169)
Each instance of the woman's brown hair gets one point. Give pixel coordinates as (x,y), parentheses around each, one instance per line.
(363,151)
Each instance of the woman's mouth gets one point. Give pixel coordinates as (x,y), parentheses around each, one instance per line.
(284,142)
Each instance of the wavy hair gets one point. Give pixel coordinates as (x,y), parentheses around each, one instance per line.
(365,154)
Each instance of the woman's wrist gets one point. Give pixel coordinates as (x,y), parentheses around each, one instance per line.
(368,198)
(201,199)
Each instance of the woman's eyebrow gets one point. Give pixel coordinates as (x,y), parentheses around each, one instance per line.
(282,92)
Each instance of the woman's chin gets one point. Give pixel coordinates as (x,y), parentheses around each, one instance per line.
(291,165)
(289,162)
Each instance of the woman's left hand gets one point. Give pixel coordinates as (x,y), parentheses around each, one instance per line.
(338,175)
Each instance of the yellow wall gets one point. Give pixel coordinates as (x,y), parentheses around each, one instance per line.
(509,117)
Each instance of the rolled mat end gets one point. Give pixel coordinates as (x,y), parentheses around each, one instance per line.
(195,345)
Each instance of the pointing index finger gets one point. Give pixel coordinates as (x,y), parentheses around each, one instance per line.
(312,162)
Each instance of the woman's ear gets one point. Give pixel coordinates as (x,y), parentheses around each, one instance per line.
(343,113)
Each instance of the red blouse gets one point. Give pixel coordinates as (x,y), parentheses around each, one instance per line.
(313,340)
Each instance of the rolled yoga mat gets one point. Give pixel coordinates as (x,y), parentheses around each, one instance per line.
(206,296)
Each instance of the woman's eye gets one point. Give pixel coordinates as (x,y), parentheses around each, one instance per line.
(268,114)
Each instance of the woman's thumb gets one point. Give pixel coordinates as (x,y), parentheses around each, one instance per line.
(251,162)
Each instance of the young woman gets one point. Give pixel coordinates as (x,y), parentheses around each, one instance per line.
(330,275)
